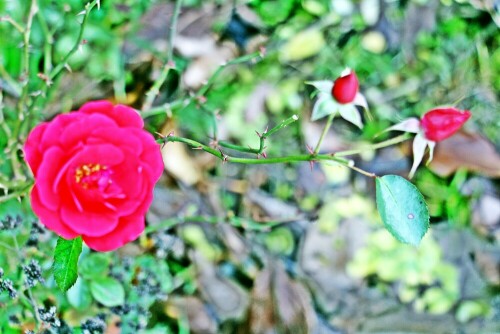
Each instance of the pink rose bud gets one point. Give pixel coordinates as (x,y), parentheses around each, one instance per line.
(345,88)
(441,123)
(94,171)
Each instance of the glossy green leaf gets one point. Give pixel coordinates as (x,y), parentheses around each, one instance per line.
(65,265)
(107,291)
(402,208)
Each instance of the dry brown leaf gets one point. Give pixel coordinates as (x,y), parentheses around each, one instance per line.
(279,305)
(177,161)
(229,300)
(466,150)
(199,319)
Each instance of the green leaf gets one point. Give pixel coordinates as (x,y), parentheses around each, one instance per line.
(65,265)
(94,265)
(402,208)
(108,291)
(79,295)
(303,45)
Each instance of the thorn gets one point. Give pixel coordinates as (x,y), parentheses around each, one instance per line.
(262,51)
(311,164)
(160,135)
(217,114)
(258,134)
(264,154)
(265,131)
(224,157)
(67,67)
(198,148)
(310,149)
(201,99)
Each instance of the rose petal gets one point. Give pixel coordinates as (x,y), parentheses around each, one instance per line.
(126,116)
(88,223)
(100,106)
(48,173)
(49,218)
(128,229)
(103,154)
(31,150)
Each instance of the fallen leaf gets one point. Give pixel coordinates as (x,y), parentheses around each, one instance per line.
(466,150)
(197,314)
(228,300)
(279,305)
(177,161)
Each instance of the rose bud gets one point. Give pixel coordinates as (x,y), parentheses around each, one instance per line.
(94,171)
(345,88)
(441,123)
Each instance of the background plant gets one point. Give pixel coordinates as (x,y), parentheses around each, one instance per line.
(455,60)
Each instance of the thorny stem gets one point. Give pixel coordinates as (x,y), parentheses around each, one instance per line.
(49,39)
(167,108)
(173,30)
(26,67)
(256,161)
(55,71)
(323,134)
(16,193)
(13,22)
(262,138)
(335,157)
(155,89)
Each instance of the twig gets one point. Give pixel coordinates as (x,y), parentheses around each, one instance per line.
(55,71)
(155,89)
(184,102)
(389,142)
(25,67)
(262,138)
(323,134)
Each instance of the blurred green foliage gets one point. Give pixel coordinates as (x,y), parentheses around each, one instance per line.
(459,60)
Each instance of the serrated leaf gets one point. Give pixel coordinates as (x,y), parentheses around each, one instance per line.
(324,106)
(402,208)
(107,291)
(65,265)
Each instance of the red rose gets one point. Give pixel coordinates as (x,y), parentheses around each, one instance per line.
(441,123)
(94,174)
(345,88)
